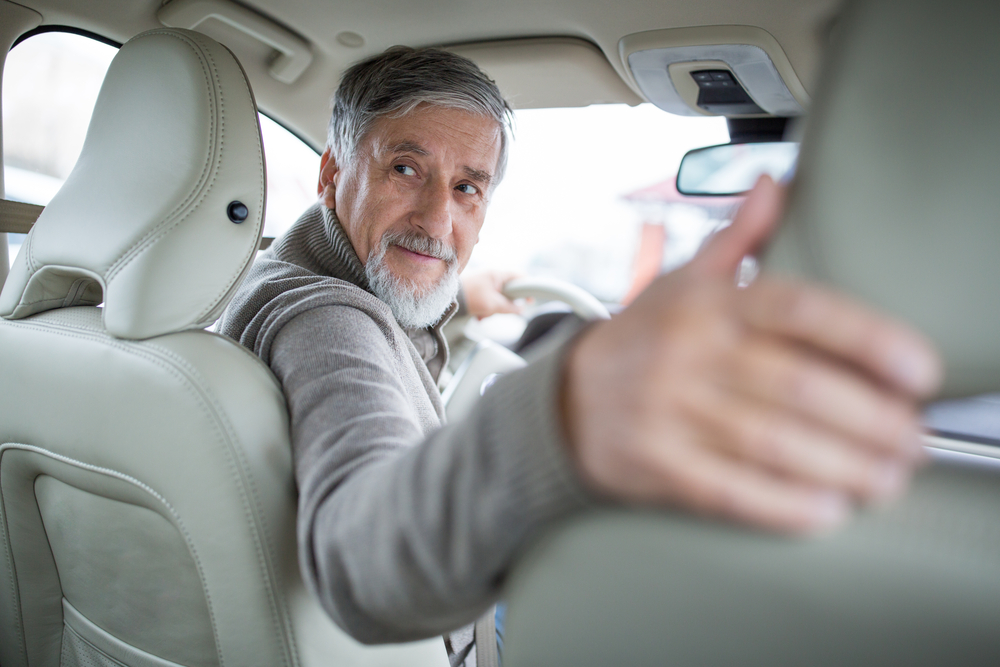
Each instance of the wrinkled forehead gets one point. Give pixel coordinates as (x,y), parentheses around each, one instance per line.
(477,140)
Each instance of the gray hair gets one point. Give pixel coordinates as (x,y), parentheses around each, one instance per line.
(394,82)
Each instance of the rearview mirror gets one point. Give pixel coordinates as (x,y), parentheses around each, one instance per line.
(732,169)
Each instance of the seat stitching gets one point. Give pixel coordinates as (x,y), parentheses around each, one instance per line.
(56,299)
(192,382)
(91,645)
(251,503)
(133,348)
(28,255)
(166,224)
(131,480)
(196,194)
(278,608)
(245,265)
(215,159)
(221,134)
(10,566)
(78,287)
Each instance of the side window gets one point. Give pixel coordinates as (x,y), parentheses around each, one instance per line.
(50,85)
(292,175)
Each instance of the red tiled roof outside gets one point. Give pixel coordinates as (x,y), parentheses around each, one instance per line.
(648,259)
(666,192)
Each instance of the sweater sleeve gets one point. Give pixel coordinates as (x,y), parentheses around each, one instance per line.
(403,536)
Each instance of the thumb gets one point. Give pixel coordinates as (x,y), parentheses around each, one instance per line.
(754,223)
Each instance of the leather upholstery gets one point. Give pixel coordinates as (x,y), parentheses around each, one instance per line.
(147,501)
(141,223)
(896,200)
(916,584)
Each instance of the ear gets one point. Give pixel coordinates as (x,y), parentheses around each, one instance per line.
(327,186)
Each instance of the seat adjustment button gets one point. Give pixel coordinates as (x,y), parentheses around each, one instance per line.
(237,211)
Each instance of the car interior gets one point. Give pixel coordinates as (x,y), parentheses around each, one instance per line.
(894,203)
(147,502)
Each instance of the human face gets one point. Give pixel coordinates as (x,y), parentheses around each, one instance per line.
(428,172)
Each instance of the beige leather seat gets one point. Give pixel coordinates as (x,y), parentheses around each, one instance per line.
(897,201)
(147,503)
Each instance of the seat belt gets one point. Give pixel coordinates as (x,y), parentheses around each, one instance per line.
(486,640)
(17,218)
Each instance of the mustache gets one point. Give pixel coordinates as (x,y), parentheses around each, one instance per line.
(417,242)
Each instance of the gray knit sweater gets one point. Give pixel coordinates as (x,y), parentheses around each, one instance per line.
(406,529)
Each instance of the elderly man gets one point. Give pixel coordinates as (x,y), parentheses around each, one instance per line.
(780,405)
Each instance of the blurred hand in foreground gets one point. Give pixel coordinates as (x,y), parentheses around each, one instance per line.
(780,405)
(484,292)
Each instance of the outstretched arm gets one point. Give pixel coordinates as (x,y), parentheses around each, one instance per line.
(780,405)
(406,529)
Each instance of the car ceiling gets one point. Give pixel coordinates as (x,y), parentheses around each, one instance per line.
(799,26)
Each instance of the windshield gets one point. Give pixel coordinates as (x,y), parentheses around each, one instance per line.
(589,197)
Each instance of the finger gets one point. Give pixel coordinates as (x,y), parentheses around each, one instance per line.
(803,452)
(501,304)
(754,223)
(501,278)
(890,351)
(835,398)
(718,486)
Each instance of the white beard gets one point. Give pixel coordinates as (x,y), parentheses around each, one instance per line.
(413,307)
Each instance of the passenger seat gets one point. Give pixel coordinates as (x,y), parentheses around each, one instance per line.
(147,502)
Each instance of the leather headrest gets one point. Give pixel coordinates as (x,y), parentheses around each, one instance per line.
(143,221)
(897,199)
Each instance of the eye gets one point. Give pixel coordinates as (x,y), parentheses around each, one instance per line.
(467,188)
(405,170)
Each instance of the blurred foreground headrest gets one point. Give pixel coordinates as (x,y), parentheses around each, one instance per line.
(897,198)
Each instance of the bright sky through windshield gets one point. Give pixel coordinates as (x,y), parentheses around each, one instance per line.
(568,171)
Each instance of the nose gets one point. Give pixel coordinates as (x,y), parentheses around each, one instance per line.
(433,215)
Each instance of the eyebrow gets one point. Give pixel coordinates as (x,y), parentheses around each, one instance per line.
(477,175)
(408,147)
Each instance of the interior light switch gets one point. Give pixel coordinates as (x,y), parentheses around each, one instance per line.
(720,92)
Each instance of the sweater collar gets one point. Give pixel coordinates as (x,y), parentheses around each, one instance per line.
(343,262)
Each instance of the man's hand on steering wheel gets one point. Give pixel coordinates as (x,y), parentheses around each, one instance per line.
(779,405)
(483,291)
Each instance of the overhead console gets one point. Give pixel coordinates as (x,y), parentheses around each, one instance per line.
(734,71)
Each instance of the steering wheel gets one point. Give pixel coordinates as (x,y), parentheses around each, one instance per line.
(551,289)
(485,360)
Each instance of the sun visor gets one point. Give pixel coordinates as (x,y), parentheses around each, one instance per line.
(714,70)
(549,72)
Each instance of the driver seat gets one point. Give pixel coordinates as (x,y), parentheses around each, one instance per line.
(147,502)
